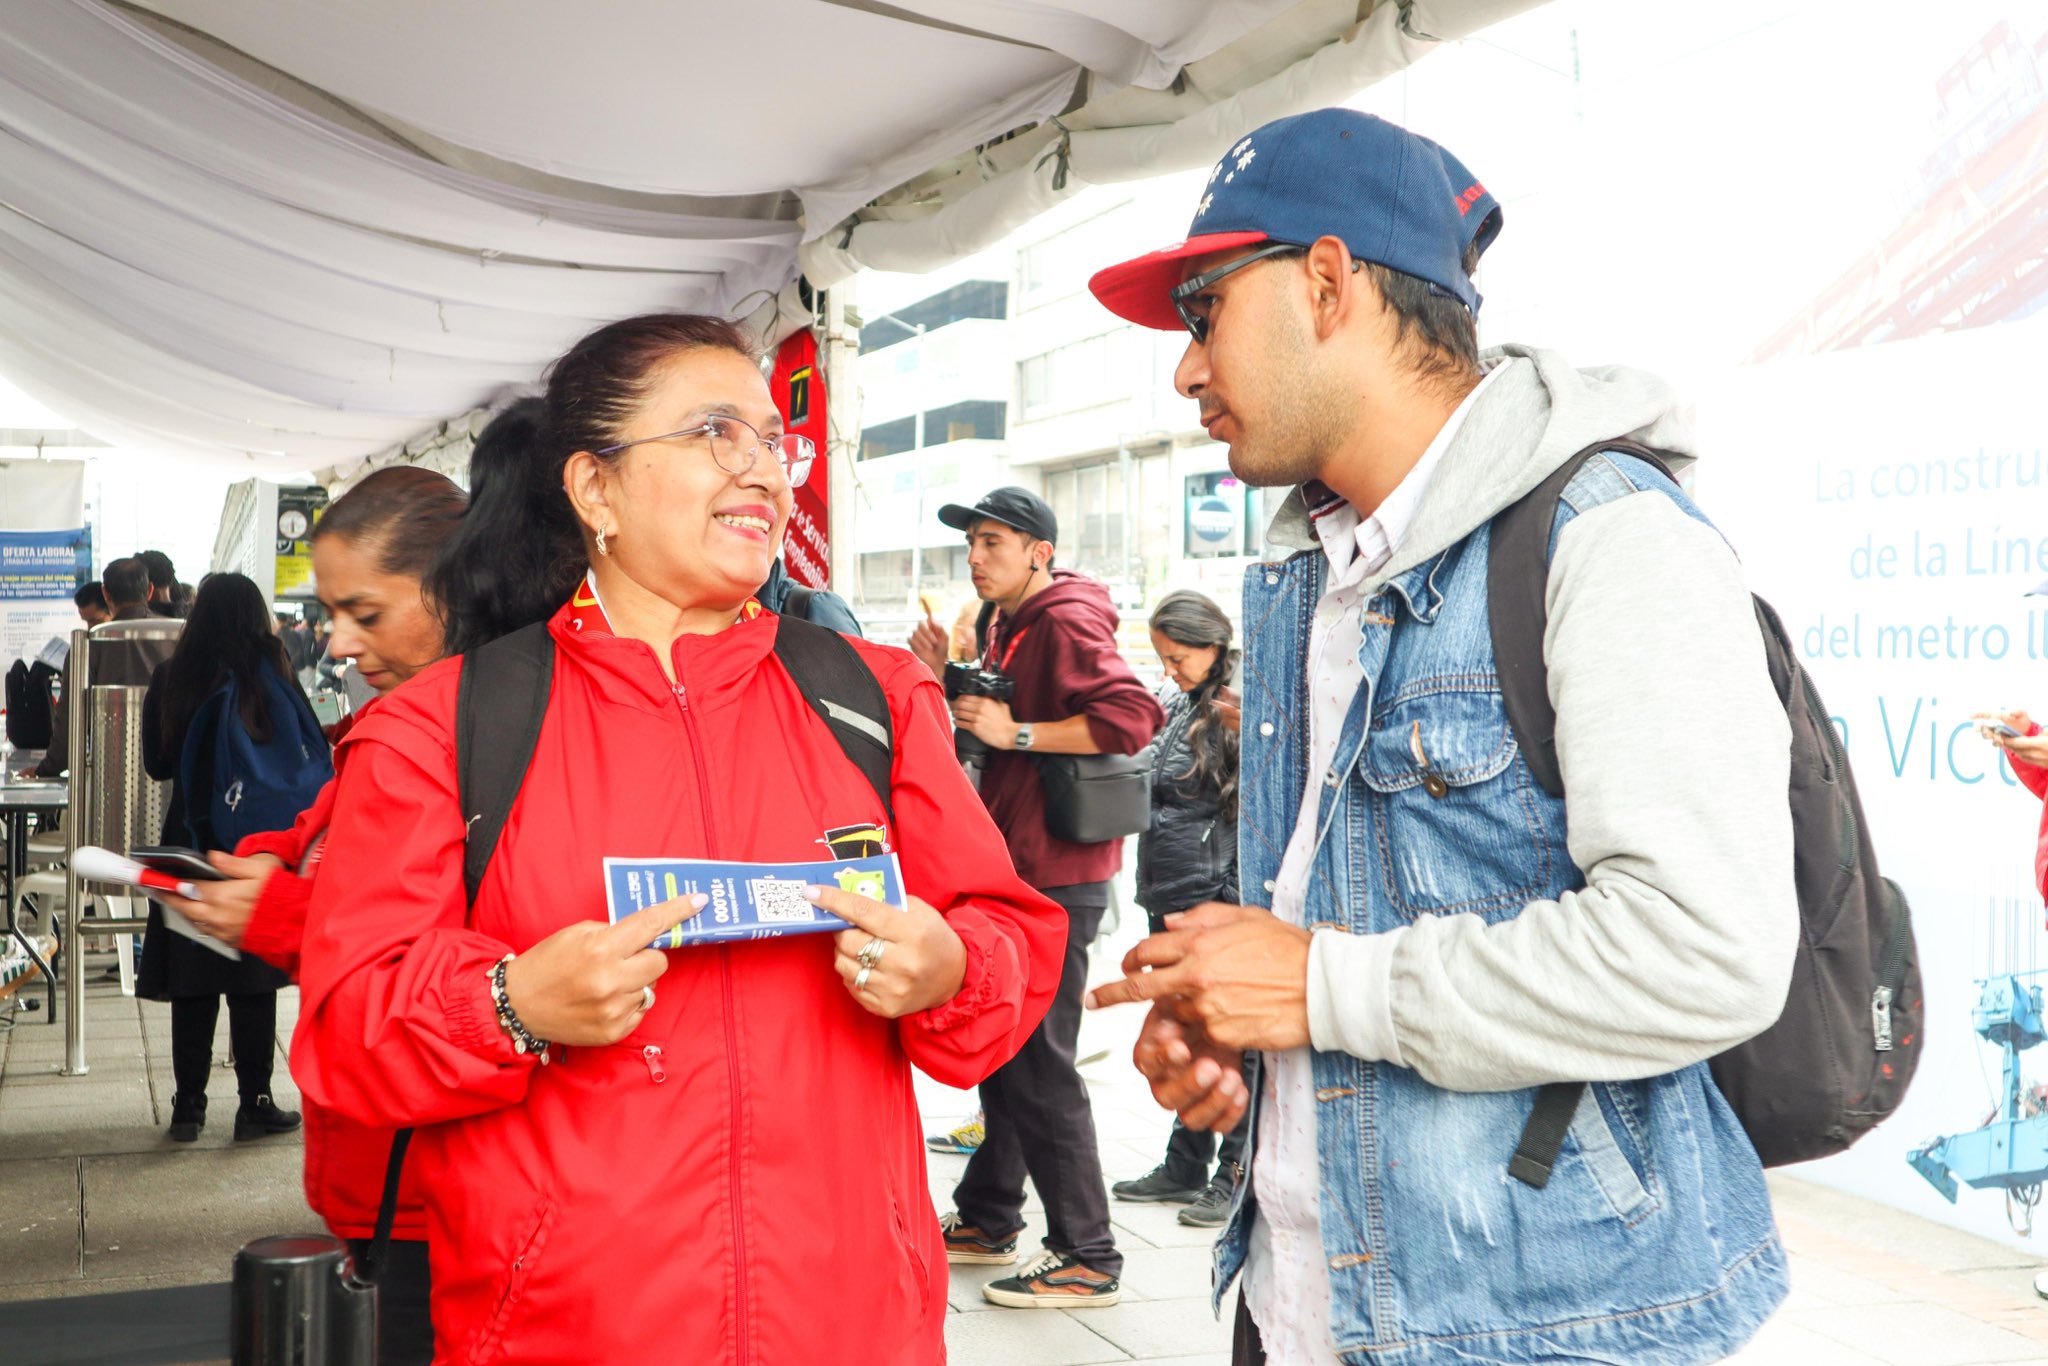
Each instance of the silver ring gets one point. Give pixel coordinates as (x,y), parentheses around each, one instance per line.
(860,979)
(647,998)
(871,952)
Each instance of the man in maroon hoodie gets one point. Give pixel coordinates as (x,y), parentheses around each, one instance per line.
(1052,631)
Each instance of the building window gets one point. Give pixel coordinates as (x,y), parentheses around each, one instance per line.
(974,420)
(888,438)
(1082,374)
(1088,501)
(1223,516)
(968,299)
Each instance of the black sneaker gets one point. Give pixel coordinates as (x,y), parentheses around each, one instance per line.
(1211,1208)
(1157,1186)
(969,1246)
(260,1118)
(1053,1280)
(188,1117)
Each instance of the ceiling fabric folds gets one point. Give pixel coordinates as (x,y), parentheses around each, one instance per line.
(294,234)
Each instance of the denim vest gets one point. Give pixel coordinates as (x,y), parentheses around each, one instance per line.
(1653,1241)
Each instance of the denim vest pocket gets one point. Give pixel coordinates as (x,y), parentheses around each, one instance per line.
(1457,822)
(1623,1176)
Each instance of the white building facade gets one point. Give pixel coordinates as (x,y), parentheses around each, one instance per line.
(1005,370)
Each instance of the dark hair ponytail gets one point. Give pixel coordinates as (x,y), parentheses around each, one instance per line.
(489,579)
(1191,619)
(520,549)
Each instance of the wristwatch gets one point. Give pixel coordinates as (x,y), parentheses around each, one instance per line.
(1023,740)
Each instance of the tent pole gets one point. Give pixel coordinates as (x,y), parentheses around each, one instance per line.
(841,357)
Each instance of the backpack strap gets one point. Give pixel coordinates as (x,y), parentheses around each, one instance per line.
(797,602)
(496,729)
(845,693)
(1517,584)
(499,707)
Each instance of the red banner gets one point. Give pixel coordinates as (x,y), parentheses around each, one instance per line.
(798,389)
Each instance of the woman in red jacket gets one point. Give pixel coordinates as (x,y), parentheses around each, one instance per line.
(2027,751)
(371,551)
(705,1154)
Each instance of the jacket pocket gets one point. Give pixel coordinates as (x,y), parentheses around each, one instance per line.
(526,1255)
(1457,822)
(1622,1173)
(920,1270)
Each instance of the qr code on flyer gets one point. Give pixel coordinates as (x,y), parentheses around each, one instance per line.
(780,901)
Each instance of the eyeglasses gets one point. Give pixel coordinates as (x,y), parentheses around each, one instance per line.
(1194,309)
(736,445)
(1188,295)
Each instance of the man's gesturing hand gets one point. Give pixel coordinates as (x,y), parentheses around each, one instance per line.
(1191,1074)
(586,983)
(1239,972)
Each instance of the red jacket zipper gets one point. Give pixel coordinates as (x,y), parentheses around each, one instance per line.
(732,1056)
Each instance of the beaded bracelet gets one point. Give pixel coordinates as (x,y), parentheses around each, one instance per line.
(523,1040)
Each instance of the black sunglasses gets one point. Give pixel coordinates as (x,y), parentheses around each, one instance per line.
(1194,311)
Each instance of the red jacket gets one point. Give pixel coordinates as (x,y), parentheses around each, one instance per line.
(1061,650)
(345,1160)
(2036,779)
(741,1179)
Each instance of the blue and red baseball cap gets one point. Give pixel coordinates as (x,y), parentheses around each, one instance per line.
(1393,197)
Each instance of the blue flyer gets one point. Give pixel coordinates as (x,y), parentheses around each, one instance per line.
(748,900)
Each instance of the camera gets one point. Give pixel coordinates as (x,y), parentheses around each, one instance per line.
(970,680)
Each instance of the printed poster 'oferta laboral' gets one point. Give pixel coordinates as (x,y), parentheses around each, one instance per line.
(748,900)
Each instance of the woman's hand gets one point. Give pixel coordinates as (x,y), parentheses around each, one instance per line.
(224,909)
(2032,748)
(590,983)
(2018,720)
(920,963)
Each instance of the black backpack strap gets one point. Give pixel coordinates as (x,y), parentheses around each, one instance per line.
(1543,1135)
(387,1208)
(499,707)
(1517,581)
(796,602)
(498,713)
(1517,584)
(847,696)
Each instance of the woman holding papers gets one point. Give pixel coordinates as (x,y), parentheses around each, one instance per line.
(371,550)
(703,1154)
(228,670)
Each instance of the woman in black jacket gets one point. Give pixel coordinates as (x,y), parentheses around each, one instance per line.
(228,636)
(1189,856)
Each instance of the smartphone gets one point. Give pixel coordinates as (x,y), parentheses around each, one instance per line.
(2000,728)
(189,864)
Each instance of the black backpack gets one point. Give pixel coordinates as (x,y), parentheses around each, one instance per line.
(500,705)
(29,709)
(1839,1058)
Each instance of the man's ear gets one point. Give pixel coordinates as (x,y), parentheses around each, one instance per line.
(1335,289)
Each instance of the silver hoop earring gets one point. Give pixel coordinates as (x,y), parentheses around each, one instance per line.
(602,548)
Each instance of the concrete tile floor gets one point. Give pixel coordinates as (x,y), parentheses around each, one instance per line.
(94,1198)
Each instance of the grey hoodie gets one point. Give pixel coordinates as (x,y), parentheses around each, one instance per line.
(1675,754)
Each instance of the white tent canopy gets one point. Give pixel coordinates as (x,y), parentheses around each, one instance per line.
(293,235)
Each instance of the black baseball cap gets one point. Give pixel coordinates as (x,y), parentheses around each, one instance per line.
(1010,505)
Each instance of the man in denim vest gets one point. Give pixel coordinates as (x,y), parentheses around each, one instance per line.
(1444,937)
